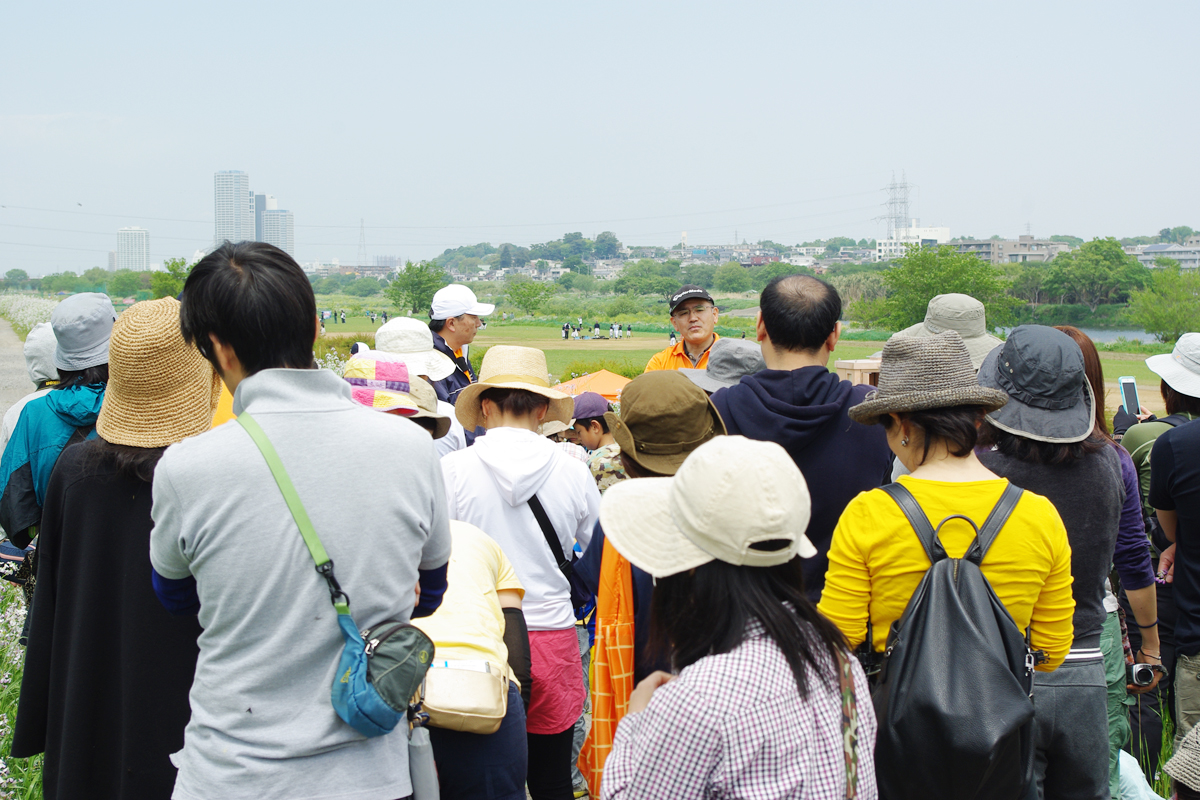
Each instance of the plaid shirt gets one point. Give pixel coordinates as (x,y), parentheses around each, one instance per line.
(733,725)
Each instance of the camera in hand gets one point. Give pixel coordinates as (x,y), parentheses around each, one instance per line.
(1142,674)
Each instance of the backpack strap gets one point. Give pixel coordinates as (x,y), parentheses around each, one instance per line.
(995,521)
(543,520)
(916,517)
(315,549)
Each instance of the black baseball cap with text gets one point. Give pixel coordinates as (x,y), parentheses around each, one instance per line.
(689,292)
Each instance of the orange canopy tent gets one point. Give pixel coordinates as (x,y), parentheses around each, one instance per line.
(601,382)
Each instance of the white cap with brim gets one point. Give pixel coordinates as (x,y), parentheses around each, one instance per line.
(455,300)
(1181,367)
(82,326)
(734,499)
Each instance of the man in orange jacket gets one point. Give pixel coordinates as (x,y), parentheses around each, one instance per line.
(694,315)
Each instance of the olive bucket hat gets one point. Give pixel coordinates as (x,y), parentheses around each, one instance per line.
(664,417)
(1049,398)
(919,374)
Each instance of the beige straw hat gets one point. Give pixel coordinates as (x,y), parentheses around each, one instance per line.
(1184,766)
(510,367)
(160,389)
(919,374)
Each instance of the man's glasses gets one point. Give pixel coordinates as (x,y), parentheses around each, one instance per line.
(685,313)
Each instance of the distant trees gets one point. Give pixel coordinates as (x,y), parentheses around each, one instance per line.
(1100,271)
(526,293)
(415,286)
(123,283)
(606,245)
(648,276)
(169,282)
(925,272)
(761,276)
(731,277)
(1169,306)
(363,287)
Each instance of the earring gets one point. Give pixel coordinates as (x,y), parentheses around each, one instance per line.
(904,442)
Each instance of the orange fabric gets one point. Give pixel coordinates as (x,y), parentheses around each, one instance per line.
(224,411)
(602,382)
(676,358)
(612,662)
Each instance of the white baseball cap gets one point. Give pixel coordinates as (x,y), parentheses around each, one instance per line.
(455,300)
(735,500)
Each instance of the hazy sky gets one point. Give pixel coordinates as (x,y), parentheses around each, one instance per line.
(443,124)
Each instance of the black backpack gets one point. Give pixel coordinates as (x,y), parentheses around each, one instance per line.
(953,698)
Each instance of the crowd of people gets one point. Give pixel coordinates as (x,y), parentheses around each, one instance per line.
(744,577)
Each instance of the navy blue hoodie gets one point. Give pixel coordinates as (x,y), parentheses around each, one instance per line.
(804,410)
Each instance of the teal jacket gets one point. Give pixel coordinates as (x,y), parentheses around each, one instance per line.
(44,429)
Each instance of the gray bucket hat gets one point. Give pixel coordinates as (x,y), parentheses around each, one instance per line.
(82,325)
(957,312)
(728,361)
(1049,397)
(1184,766)
(919,374)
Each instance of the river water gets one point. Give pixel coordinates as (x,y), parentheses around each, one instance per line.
(1130,334)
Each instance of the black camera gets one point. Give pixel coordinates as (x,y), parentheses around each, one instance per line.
(1142,674)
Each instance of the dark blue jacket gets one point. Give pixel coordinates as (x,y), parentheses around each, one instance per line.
(448,388)
(804,410)
(46,424)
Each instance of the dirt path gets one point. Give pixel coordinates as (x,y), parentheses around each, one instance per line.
(14,379)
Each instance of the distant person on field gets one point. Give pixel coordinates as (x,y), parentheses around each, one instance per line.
(454,319)
(797,402)
(225,545)
(108,670)
(39,363)
(694,316)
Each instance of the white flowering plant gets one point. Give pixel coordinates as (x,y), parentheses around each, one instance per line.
(24,311)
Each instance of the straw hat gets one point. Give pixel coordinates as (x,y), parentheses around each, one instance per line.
(730,499)
(1184,766)
(412,341)
(957,312)
(160,389)
(919,374)
(511,367)
(386,385)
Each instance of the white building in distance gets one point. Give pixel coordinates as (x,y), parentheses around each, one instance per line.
(233,207)
(914,234)
(279,230)
(133,249)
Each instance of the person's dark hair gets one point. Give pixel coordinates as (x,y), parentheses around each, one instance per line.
(255,298)
(517,402)
(436,325)
(586,422)
(799,312)
(706,611)
(1035,452)
(956,426)
(83,377)
(635,470)
(131,462)
(1178,402)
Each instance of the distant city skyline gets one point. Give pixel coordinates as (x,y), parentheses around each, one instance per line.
(133,249)
(446,126)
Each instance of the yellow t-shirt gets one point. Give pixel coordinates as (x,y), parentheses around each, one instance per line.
(876,561)
(469,624)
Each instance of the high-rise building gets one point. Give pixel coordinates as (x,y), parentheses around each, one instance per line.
(278,229)
(133,249)
(262,202)
(112,260)
(234,207)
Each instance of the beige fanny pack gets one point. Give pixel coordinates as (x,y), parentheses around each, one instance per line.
(467,696)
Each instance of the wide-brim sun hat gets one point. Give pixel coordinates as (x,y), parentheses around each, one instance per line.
(1184,765)
(1049,397)
(961,313)
(160,389)
(728,361)
(1181,367)
(389,384)
(734,499)
(664,418)
(82,326)
(412,341)
(924,373)
(512,367)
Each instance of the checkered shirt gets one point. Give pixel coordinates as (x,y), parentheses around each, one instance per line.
(733,725)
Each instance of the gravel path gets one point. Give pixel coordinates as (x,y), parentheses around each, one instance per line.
(14,379)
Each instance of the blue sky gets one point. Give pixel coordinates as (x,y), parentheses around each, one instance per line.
(442,124)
